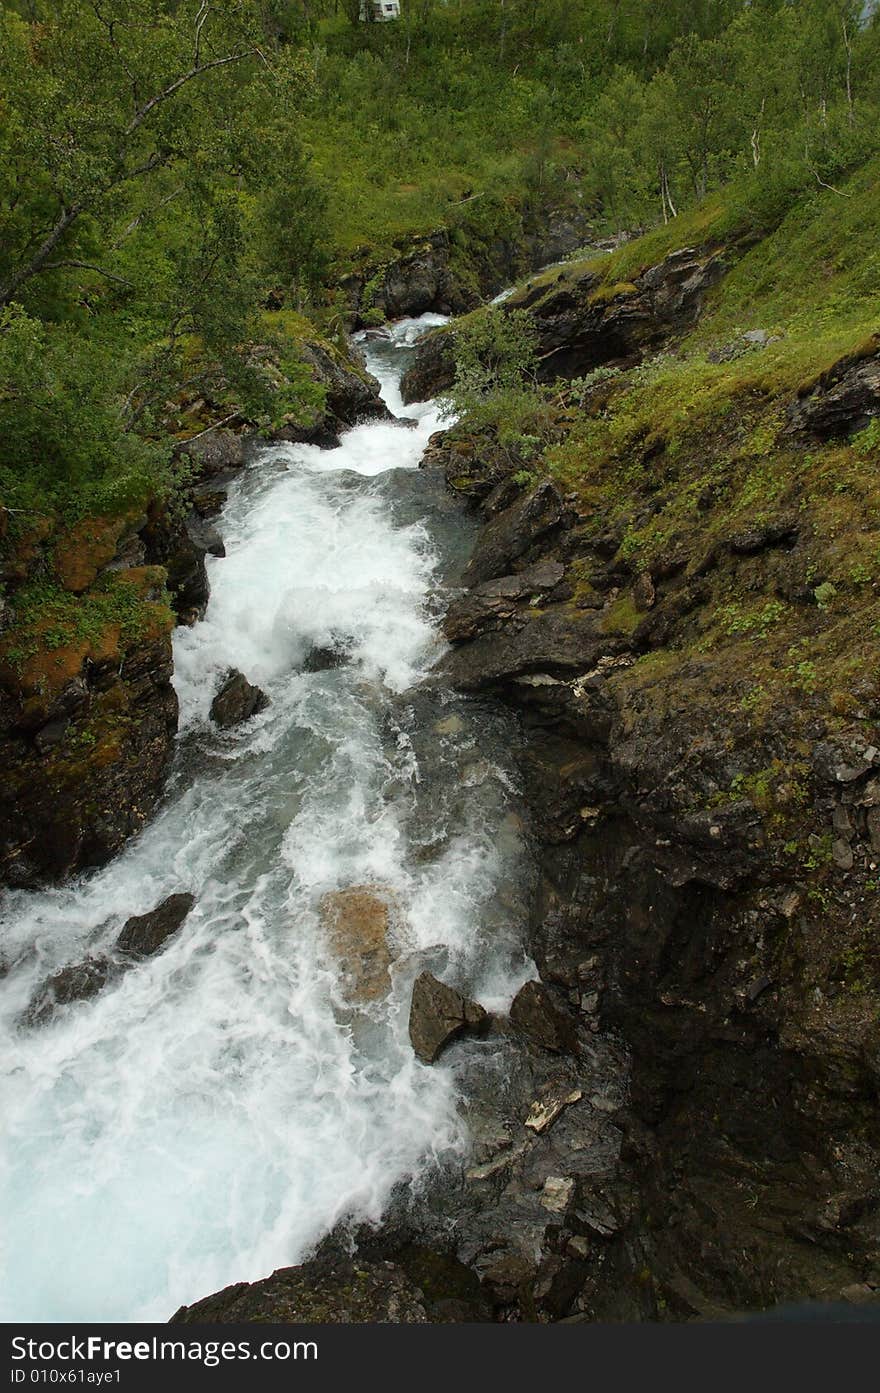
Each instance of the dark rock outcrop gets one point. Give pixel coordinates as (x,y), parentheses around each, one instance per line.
(436,273)
(352,393)
(340,1292)
(146,934)
(581,324)
(236,701)
(396,1282)
(84,767)
(511,533)
(438,1015)
(845,400)
(432,370)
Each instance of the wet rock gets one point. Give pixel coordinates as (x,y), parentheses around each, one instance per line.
(335,1291)
(216,452)
(168,542)
(237,701)
(208,500)
(541,646)
(325,659)
(353,394)
(146,934)
(438,1015)
(205,536)
(540,1014)
(492,604)
(73,795)
(325,437)
(432,371)
(358,921)
(510,535)
(79,982)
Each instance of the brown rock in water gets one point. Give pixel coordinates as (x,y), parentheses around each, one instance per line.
(145,934)
(438,1015)
(236,701)
(358,920)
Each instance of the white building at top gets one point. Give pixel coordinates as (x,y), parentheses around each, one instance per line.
(380,11)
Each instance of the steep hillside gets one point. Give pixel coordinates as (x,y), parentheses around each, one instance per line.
(678,585)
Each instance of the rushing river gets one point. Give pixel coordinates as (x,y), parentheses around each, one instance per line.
(217,1108)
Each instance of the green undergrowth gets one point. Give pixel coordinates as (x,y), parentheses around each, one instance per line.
(770,537)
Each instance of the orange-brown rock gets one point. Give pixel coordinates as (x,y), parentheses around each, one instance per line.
(90,545)
(359,920)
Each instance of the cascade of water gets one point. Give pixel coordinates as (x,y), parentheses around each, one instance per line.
(217,1108)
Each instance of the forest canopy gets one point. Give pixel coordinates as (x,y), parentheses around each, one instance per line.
(166,167)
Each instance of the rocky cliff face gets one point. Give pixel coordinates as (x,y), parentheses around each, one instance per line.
(582,323)
(88,717)
(449,274)
(744,986)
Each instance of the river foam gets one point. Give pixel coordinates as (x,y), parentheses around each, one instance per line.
(218,1108)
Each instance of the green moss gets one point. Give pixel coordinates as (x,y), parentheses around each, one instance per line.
(621,617)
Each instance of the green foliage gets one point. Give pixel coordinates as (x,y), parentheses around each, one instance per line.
(63,441)
(494,353)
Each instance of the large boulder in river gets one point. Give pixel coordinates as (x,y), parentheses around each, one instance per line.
(145,934)
(439,1014)
(358,920)
(236,701)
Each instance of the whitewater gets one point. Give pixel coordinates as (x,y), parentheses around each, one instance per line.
(221,1106)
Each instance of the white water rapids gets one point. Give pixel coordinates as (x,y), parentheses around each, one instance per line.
(217,1108)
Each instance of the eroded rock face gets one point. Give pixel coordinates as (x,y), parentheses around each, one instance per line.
(237,700)
(358,921)
(438,1015)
